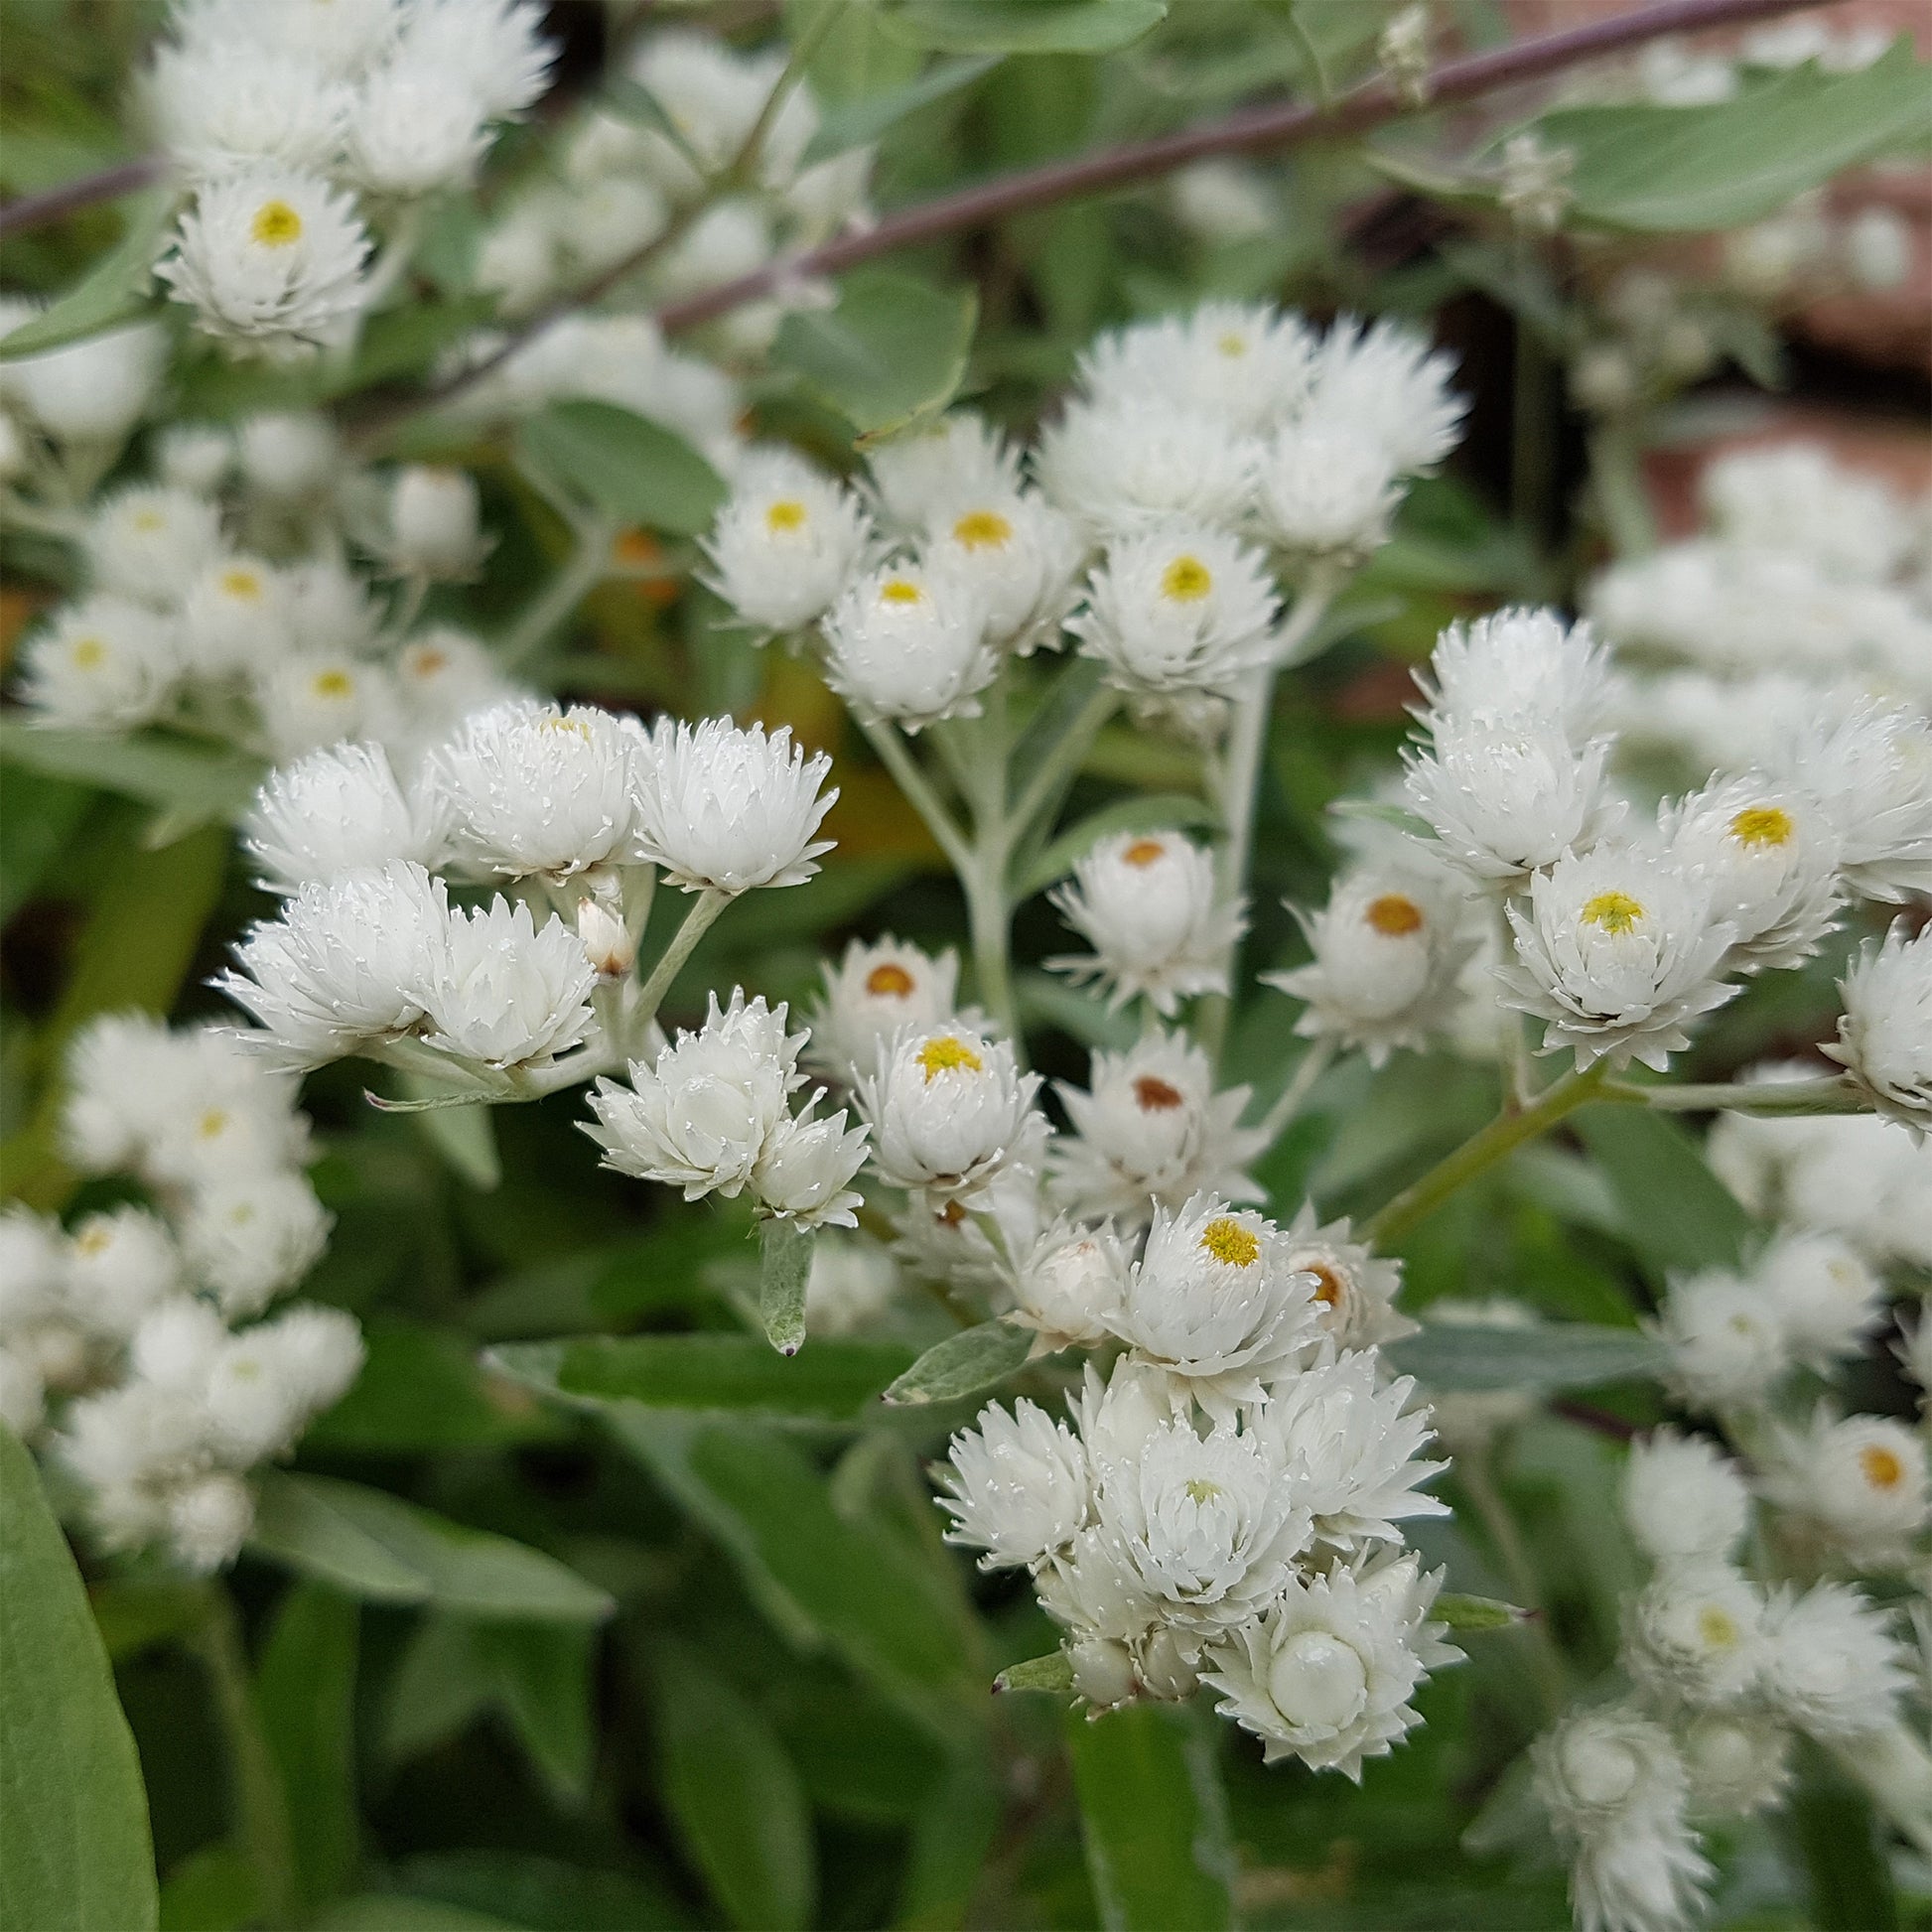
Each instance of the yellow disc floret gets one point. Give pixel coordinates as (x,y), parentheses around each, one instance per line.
(787,513)
(1613,912)
(1144,852)
(982,530)
(332,684)
(888,981)
(900,590)
(1718,1627)
(87,654)
(1881,1468)
(1200,1491)
(1393,916)
(1762,825)
(948,1053)
(243,585)
(276,226)
(1186,580)
(1227,1240)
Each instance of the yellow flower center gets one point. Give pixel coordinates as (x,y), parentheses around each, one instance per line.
(948,1054)
(276,224)
(148,521)
(1228,1241)
(426,661)
(1883,1469)
(982,530)
(575,727)
(888,981)
(242,584)
(787,513)
(87,653)
(1154,1096)
(1232,344)
(1394,916)
(1186,580)
(1613,912)
(94,1241)
(332,684)
(211,1123)
(900,590)
(1762,825)
(1144,852)
(1718,1627)
(1200,1491)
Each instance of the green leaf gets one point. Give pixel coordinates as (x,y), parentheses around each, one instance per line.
(859,122)
(734,1797)
(1051,1672)
(179,774)
(953,1835)
(784,1268)
(1461,1612)
(214,1890)
(963,1364)
(304,1688)
(1037,27)
(1375,813)
(540,1678)
(622,463)
(379,1911)
(1829,1823)
(1151,1816)
(832,1381)
(422,1389)
(74,1849)
(545,1894)
(1675,1213)
(1663,169)
(466,1138)
(891,354)
(1534,1359)
(114,291)
(376,1546)
(42,815)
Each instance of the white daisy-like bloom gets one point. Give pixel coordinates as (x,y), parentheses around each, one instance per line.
(1326,1673)
(1884,1035)
(526,787)
(1860,1481)
(1792,497)
(1326,488)
(1017,1487)
(875,990)
(336,811)
(1384,381)
(413,128)
(289,454)
(507,992)
(939,1239)
(729,809)
(1019,556)
(1179,609)
(149,542)
(1507,796)
(234,617)
(1617,1794)
(1149,1131)
(209,1520)
(1683,1499)
(341,37)
(1519,662)
(350,963)
(1354,1288)
(521,255)
(253,1236)
(1831,1666)
(271,262)
(910,643)
(919,476)
(104,663)
(1871,770)
(1738,1762)
(1213,1303)
(23,1393)
(433,523)
(1726,1346)
(1770,856)
(609,221)
(443,675)
(786,540)
(1618,950)
(1146,902)
(195,457)
(1246,364)
(1069,1286)
(713,94)
(1116,467)
(118,1266)
(853,1282)
(93,391)
(806,1167)
(1826,1299)
(492,49)
(1691,1636)
(321,698)
(124,1077)
(220,108)
(950,1113)
(1388,951)
(699,1116)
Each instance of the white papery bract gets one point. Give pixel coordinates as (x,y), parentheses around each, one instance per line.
(806,1167)
(950,1113)
(195,457)
(1116,467)
(1859,1482)
(1832,1667)
(93,391)
(1682,1499)
(150,542)
(1018,1488)
(322,698)
(250,1237)
(1151,1131)
(1737,1761)
(1792,497)
(104,663)
(1519,663)
(505,991)
(875,991)
(332,812)
(1326,490)
(1870,769)
(785,541)
(433,522)
(118,1266)
(414,128)
(1693,1635)
(220,108)
(1245,364)
(1885,1037)
(1071,1285)
(922,474)
(1726,1345)
(234,617)
(494,49)
(1146,904)
(1385,380)
(1354,1288)
(1015,553)
(908,642)
(441,676)
(1179,609)
(1826,1298)
(271,262)
(289,455)
(1619,949)
(729,809)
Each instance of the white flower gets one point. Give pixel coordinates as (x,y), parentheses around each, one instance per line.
(852,1282)
(1070,1286)
(1692,1635)
(1151,1131)
(1017,1487)
(31,1267)
(1383,380)
(921,475)
(1325,1674)
(22,1394)
(1213,1302)
(712,94)
(1519,663)
(1115,467)
(433,522)
(1738,1762)
(700,1116)
(1831,1666)
(336,811)
(1870,769)
(949,1112)
(271,262)
(529,787)
(505,991)
(1387,955)
(234,617)
(102,664)
(1015,553)
(609,221)
(1245,366)
(1770,857)
(322,698)
(150,543)
(1619,949)
(414,128)
(1826,1298)
(348,963)
(91,391)
(872,993)
(250,1237)
(1726,1345)
(806,1167)
(1793,498)
(209,1520)
(341,37)
(1860,1482)
(940,1240)
(1326,488)
(731,809)
(289,454)
(910,643)
(492,49)
(222,106)
(1146,902)
(1683,1499)
(443,675)
(1179,608)
(1884,1035)
(119,1264)
(1221,200)
(1354,1288)
(786,541)
(319,1353)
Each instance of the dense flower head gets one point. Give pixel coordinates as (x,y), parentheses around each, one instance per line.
(1354,1288)
(1015,553)
(1858,1481)
(1018,1487)
(1683,1499)
(1385,380)
(1884,1037)
(909,642)
(950,1113)
(505,991)
(1870,767)
(149,541)
(1519,662)
(1071,1284)
(1116,467)
(336,811)
(93,391)
(875,990)
(102,663)
(924,472)
(1326,490)
(1245,364)
(785,541)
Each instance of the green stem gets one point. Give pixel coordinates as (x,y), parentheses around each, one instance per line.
(896,758)
(699,920)
(575,579)
(1616,481)
(741,171)
(1315,1063)
(989,918)
(1507,1132)
(1831,1094)
(1478,1484)
(989,906)
(255,1780)
(1065,758)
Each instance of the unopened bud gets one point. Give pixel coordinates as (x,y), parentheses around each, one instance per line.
(433,522)
(608,943)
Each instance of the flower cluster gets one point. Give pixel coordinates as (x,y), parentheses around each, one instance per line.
(130,1348)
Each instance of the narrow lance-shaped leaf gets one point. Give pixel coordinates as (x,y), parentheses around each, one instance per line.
(1049,1673)
(784,1268)
(624,464)
(1535,1359)
(963,1364)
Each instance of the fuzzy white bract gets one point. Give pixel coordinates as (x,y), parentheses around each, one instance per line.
(910,643)
(785,541)
(875,991)
(949,1112)
(1884,1039)
(336,811)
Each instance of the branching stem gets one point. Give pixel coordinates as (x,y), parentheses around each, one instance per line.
(699,920)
